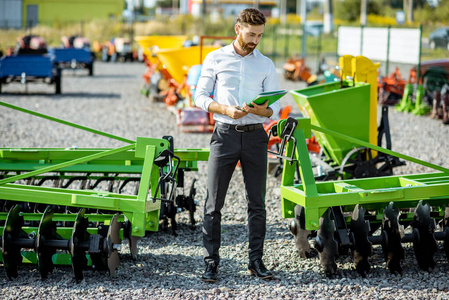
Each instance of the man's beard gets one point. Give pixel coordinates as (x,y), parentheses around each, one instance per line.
(245,45)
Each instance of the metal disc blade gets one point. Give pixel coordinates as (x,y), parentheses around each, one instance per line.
(426,246)
(78,255)
(393,251)
(446,229)
(327,244)
(46,231)
(362,249)
(113,240)
(11,253)
(297,228)
(133,246)
(113,263)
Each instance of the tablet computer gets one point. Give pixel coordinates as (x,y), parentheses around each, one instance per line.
(272,97)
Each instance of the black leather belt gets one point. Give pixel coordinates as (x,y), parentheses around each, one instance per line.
(243,128)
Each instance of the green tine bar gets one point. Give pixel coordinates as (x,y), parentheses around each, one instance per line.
(67,164)
(66,123)
(380,149)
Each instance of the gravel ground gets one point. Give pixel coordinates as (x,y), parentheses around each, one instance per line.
(169,267)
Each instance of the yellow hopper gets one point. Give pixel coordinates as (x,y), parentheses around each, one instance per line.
(152,42)
(178,61)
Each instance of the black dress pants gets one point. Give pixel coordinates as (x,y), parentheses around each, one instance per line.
(227,147)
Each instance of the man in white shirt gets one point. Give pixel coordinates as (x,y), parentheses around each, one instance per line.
(236,74)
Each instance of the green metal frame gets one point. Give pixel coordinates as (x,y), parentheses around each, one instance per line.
(142,213)
(133,159)
(371,193)
(136,158)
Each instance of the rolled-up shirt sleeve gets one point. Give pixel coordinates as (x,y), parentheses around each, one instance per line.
(271,83)
(206,84)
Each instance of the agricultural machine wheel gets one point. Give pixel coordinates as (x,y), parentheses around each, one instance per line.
(426,245)
(326,244)
(297,228)
(289,75)
(129,57)
(393,233)
(153,89)
(114,57)
(434,79)
(57,80)
(104,54)
(362,248)
(90,67)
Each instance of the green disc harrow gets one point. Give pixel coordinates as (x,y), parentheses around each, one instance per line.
(367,205)
(85,201)
(353,214)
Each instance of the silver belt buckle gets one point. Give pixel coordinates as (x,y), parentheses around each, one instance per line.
(237,129)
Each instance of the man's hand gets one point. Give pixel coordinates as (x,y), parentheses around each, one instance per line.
(235,112)
(260,110)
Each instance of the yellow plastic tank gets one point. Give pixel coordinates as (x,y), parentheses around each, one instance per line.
(149,44)
(177,61)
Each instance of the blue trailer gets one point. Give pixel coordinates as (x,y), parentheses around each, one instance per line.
(73,58)
(29,68)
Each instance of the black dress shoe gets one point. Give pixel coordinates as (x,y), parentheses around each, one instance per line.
(257,268)
(210,274)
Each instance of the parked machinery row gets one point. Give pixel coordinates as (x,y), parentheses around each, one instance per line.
(344,200)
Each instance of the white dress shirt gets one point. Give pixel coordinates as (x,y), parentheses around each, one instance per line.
(234,80)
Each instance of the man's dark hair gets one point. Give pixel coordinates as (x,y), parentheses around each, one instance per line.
(251,16)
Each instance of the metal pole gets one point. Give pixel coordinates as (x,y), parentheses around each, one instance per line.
(286,35)
(361,39)
(418,67)
(318,52)
(304,40)
(283,11)
(388,50)
(303,22)
(363,11)
(274,42)
(338,29)
(256,4)
(204,10)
